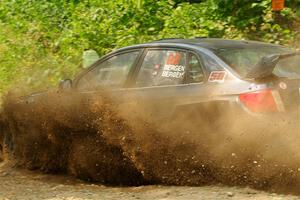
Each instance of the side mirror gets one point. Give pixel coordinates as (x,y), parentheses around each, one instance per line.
(89,57)
(65,85)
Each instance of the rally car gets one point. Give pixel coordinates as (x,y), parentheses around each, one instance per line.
(178,75)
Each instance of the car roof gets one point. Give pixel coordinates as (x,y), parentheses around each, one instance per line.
(217,43)
(207,43)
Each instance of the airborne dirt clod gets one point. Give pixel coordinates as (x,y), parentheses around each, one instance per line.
(105,142)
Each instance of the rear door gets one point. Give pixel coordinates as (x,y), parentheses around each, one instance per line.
(165,79)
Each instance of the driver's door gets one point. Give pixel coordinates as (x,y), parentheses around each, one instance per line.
(111,73)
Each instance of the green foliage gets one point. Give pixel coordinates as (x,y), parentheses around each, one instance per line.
(41,41)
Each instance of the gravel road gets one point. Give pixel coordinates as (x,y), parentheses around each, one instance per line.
(18,184)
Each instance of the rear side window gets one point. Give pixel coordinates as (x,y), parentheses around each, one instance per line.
(196,74)
(210,63)
(162,67)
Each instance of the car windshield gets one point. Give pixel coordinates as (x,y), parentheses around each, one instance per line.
(243,60)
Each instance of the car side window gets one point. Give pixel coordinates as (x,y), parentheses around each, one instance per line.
(162,67)
(112,72)
(196,74)
(210,63)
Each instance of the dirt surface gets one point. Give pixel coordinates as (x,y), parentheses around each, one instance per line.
(22,184)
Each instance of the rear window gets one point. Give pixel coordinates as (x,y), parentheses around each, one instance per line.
(243,60)
(288,67)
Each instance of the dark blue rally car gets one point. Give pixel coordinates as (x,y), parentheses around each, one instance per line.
(199,79)
(192,74)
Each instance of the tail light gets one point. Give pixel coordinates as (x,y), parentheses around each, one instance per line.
(261,101)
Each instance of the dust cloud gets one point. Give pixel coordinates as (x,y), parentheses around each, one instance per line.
(101,140)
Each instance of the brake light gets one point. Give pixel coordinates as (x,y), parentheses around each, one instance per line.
(260,101)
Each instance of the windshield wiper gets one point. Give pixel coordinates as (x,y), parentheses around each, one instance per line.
(266,65)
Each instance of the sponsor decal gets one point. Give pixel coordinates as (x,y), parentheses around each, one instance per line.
(173,58)
(176,68)
(170,74)
(173,71)
(282,85)
(172,68)
(217,76)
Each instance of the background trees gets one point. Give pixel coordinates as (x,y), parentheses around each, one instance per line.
(41,41)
